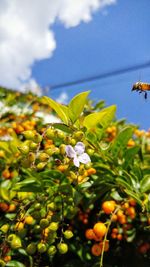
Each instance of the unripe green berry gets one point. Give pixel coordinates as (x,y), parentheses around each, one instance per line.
(31,248)
(41,165)
(62,149)
(33,146)
(11,237)
(73,142)
(43,156)
(68,234)
(52,250)
(37,206)
(29,135)
(56,151)
(4,228)
(2,263)
(50,151)
(90,151)
(37,138)
(16,243)
(88,165)
(62,248)
(78,135)
(53,226)
(60,134)
(41,247)
(44,223)
(51,206)
(24,149)
(50,133)
(31,157)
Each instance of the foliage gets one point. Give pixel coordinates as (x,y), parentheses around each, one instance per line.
(52,208)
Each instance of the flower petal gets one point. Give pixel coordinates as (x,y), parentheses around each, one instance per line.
(70,151)
(79,148)
(76,161)
(84,158)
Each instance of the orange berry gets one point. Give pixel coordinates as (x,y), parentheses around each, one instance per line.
(108,206)
(12,207)
(115,230)
(2,154)
(119,214)
(62,168)
(132,202)
(19,226)
(100,229)
(125,205)
(114,235)
(85,221)
(143,248)
(91,171)
(89,234)
(7,258)
(109,130)
(114,218)
(29,220)
(131,212)
(4,206)
(96,250)
(6,174)
(119,237)
(106,245)
(122,219)
(131,143)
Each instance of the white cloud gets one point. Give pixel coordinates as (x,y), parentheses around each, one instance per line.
(26,35)
(62,98)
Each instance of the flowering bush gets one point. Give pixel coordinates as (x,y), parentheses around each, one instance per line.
(75,184)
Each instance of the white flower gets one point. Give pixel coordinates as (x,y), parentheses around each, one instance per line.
(77,154)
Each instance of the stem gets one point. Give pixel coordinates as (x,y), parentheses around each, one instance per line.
(105,237)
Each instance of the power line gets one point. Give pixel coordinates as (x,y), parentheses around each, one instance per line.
(102,75)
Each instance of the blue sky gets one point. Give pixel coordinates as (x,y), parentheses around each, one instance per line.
(54,42)
(117,37)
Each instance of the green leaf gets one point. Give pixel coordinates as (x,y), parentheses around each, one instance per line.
(66,189)
(102,118)
(4,194)
(123,183)
(145,184)
(62,111)
(14,264)
(115,195)
(4,146)
(62,127)
(76,105)
(130,155)
(121,141)
(91,137)
(29,184)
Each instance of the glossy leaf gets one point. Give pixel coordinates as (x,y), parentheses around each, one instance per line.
(76,105)
(102,118)
(129,155)
(145,184)
(14,263)
(62,111)
(121,140)
(62,127)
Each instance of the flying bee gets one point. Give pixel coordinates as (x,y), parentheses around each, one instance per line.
(141,88)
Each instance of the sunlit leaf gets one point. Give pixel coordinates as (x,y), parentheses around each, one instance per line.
(102,118)
(76,105)
(145,184)
(121,140)
(62,111)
